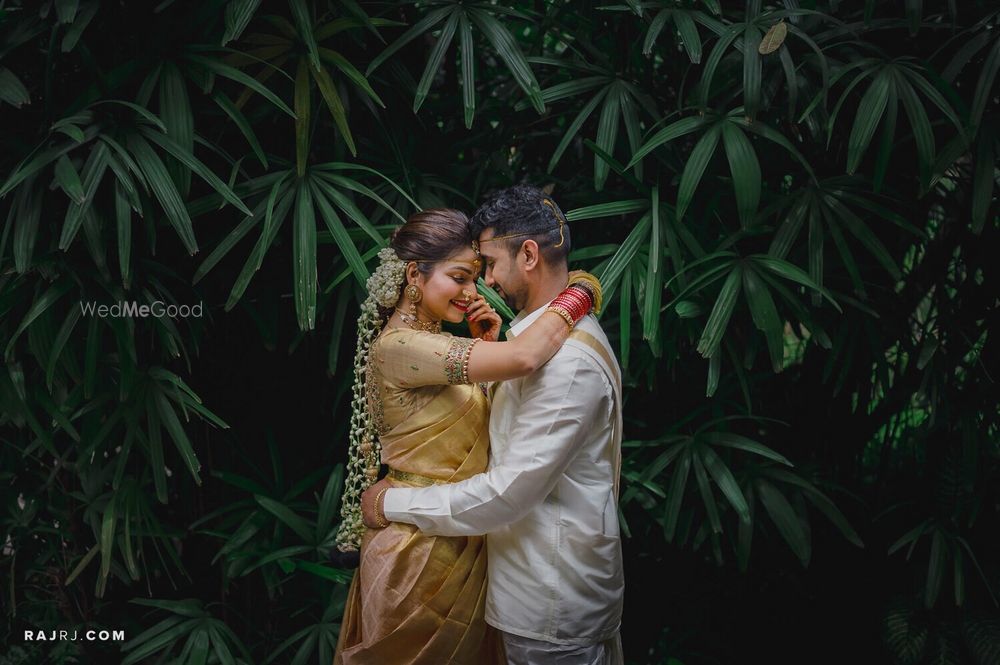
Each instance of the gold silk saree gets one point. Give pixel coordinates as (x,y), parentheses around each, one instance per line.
(418,599)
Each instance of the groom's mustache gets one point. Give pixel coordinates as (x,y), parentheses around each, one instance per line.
(508,299)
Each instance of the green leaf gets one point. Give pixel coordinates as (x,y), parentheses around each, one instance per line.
(689,34)
(141,110)
(607,132)
(788,271)
(984,85)
(420,27)
(667,134)
(508,50)
(197,166)
(785,519)
(707,498)
(63,336)
(983,179)
(241,122)
(328,502)
(655,28)
(675,495)
(745,170)
(164,190)
(340,235)
(253,263)
(66,10)
(574,128)
(654,277)
(765,316)
(351,72)
(38,307)
(623,257)
(93,172)
(751,70)
(26,214)
(739,442)
(467,55)
(326,572)
(287,516)
(827,507)
(724,478)
(300,13)
(177,116)
(436,56)
(302,117)
(935,569)
(82,565)
(335,105)
(866,119)
(178,435)
(234,236)
(727,37)
(304,257)
(238,15)
(220,68)
(80,23)
(12,90)
(923,134)
(695,167)
(107,543)
(155,444)
(718,320)
(123,227)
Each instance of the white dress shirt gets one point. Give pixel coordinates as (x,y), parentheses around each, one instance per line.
(548,501)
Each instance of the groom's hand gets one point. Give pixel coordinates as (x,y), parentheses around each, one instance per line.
(371,505)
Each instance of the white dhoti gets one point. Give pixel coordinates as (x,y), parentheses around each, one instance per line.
(526,651)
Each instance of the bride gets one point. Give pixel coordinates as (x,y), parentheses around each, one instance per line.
(421,407)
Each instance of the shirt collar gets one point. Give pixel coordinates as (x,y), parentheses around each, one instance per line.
(521,322)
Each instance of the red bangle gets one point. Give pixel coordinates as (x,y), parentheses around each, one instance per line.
(574,301)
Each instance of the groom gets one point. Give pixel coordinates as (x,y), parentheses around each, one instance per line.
(548,503)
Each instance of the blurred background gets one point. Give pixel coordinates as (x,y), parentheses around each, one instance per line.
(791,206)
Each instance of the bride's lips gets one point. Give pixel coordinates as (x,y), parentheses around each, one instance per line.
(460,305)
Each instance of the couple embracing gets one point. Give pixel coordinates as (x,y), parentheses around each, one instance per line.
(494,536)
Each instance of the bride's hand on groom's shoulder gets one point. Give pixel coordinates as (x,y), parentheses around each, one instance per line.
(372,513)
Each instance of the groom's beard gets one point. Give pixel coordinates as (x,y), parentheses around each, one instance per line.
(511,300)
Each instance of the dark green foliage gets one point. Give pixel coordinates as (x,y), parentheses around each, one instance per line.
(791,207)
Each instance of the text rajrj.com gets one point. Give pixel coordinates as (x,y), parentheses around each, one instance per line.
(74,635)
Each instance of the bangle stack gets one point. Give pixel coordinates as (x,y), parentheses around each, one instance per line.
(380,519)
(572,304)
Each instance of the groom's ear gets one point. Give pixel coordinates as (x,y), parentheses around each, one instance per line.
(531,255)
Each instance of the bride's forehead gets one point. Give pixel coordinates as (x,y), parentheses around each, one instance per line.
(463,255)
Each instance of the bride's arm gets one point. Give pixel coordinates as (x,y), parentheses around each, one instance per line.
(498,361)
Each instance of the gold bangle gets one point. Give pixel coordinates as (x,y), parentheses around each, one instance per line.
(563,312)
(380,520)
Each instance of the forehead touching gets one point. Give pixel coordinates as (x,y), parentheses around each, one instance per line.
(488,249)
(463,260)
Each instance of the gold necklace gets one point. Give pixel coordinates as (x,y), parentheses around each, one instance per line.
(415,323)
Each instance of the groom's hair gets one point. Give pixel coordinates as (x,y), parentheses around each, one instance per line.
(524,212)
(432,235)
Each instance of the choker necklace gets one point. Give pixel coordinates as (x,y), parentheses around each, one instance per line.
(415,323)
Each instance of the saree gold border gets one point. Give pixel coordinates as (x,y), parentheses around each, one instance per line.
(414,478)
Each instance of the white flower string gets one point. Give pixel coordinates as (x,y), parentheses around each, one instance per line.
(365,453)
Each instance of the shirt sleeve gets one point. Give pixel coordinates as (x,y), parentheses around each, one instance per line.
(559,406)
(411,358)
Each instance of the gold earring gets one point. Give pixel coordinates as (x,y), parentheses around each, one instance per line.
(414,295)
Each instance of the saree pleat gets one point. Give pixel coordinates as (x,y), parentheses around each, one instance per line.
(417,599)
